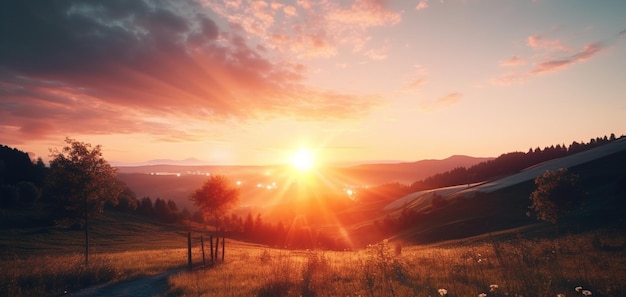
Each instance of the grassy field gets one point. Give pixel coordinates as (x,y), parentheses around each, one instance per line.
(568,266)
(49,262)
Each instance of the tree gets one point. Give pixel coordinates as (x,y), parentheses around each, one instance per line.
(248,225)
(83,181)
(215,198)
(557,193)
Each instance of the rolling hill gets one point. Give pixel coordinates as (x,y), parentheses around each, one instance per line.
(501,204)
(176,182)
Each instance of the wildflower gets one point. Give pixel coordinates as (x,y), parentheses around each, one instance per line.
(443,292)
(493,288)
(578,289)
(482,295)
(586,292)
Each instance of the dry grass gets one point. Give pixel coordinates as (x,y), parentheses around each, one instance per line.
(55,275)
(519,267)
(48,261)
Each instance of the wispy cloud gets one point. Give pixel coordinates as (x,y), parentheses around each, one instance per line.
(539,42)
(418,79)
(510,78)
(423,4)
(553,65)
(513,61)
(551,56)
(444,101)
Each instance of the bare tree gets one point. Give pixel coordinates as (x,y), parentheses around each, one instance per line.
(83,181)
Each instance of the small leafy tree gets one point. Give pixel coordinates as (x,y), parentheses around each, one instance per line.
(557,193)
(215,198)
(83,182)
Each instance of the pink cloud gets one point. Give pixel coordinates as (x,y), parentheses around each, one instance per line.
(377,54)
(366,13)
(511,78)
(586,53)
(337,25)
(513,61)
(538,42)
(423,4)
(444,101)
(290,11)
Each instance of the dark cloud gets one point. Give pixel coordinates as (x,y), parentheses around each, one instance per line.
(154,57)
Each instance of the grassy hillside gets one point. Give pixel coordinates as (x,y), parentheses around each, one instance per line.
(40,260)
(603,179)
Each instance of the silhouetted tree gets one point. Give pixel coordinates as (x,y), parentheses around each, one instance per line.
(215,198)
(83,181)
(127,201)
(248,225)
(145,207)
(557,192)
(28,193)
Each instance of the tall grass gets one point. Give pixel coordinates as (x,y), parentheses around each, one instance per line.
(48,261)
(60,274)
(593,263)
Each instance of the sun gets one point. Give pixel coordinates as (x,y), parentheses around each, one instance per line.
(302,160)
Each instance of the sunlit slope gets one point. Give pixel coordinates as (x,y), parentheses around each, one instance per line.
(423,198)
(503,203)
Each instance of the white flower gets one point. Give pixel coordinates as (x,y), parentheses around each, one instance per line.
(578,289)
(482,295)
(443,292)
(560,295)
(493,288)
(586,292)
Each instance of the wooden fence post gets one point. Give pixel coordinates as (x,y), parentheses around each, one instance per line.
(217,244)
(189,249)
(223,247)
(211,241)
(202,244)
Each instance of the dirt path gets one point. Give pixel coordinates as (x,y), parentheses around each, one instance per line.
(150,286)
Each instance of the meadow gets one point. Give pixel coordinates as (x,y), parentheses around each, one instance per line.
(573,265)
(49,261)
(513,263)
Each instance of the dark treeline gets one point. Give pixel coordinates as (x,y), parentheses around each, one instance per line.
(159,210)
(296,235)
(21,179)
(505,164)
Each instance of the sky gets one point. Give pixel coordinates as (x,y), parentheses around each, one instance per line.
(251,82)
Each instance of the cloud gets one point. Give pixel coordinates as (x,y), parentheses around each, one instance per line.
(511,78)
(423,4)
(416,80)
(377,54)
(144,66)
(538,42)
(513,61)
(444,101)
(322,27)
(553,57)
(553,65)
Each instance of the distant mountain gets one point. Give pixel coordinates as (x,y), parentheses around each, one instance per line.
(186,162)
(408,172)
(176,182)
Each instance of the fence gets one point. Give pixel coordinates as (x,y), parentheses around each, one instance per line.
(214,250)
